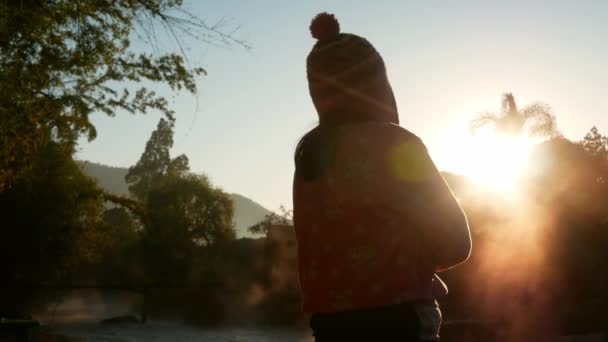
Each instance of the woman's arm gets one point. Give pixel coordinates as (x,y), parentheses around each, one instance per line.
(427,203)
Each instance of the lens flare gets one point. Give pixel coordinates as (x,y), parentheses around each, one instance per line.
(498,161)
(493,162)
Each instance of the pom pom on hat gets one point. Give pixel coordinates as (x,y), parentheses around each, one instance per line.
(324,26)
(348,65)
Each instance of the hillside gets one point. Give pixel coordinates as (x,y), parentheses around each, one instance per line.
(246,211)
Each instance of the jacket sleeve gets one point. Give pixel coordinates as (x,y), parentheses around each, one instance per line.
(425,202)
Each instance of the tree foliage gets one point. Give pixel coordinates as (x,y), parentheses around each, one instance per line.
(535,120)
(595,143)
(61,61)
(51,223)
(119,263)
(596,146)
(285,217)
(48,217)
(156,162)
(185,218)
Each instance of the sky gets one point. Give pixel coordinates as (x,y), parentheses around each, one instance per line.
(446,60)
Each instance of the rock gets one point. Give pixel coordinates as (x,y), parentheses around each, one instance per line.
(126,319)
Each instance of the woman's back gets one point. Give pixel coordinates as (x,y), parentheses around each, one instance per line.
(356,248)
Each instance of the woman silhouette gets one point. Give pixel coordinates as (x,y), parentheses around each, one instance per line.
(374,219)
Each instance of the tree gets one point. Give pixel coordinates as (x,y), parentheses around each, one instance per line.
(120,261)
(272,219)
(156,162)
(596,146)
(578,241)
(50,225)
(534,120)
(186,221)
(185,218)
(61,61)
(595,143)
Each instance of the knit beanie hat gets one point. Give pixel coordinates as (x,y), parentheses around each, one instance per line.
(347,77)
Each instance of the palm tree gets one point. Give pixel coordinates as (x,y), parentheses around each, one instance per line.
(536,119)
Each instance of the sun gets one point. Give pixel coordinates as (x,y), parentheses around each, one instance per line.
(492,161)
(498,162)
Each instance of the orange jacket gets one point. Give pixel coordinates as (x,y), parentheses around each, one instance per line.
(376,222)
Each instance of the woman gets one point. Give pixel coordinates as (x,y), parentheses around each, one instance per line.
(374,219)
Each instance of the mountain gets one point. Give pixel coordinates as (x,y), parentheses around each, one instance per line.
(110,178)
(246,214)
(246,211)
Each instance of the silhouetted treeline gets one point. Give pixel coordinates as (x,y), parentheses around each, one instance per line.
(112,179)
(539,259)
(60,63)
(172,240)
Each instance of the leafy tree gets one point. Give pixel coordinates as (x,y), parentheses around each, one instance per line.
(186,221)
(272,219)
(156,162)
(120,262)
(596,146)
(185,218)
(535,119)
(51,224)
(578,240)
(61,61)
(595,143)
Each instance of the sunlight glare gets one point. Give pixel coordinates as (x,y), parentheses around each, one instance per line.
(491,161)
(496,162)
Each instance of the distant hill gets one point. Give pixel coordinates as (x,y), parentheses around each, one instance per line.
(246,211)
(111,179)
(246,214)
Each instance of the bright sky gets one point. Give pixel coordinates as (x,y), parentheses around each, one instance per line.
(447,61)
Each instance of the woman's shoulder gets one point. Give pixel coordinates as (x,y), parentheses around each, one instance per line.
(381,133)
(371,129)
